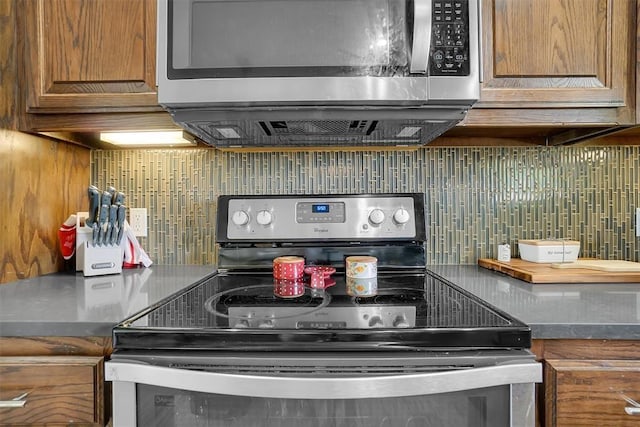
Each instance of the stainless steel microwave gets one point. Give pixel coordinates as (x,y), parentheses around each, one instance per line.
(282,72)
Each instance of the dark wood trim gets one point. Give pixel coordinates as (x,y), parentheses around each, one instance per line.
(55,346)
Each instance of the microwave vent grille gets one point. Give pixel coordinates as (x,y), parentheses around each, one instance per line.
(243,129)
(318,127)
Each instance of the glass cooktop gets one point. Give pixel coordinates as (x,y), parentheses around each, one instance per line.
(254,311)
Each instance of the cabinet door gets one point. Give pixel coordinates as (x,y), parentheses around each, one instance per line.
(61,390)
(591,392)
(557,62)
(88,55)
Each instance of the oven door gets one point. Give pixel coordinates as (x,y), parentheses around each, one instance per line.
(202,392)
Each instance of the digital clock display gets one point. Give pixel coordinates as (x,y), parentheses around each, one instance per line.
(320,208)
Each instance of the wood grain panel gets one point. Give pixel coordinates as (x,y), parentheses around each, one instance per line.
(55,346)
(558,56)
(99,122)
(7,65)
(589,393)
(577,349)
(62,390)
(85,40)
(569,40)
(88,55)
(44,182)
(587,349)
(637,55)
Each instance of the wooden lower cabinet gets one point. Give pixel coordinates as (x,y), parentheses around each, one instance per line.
(591,392)
(61,390)
(63,376)
(585,382)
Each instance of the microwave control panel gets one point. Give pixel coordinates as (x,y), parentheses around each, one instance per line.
(449,54)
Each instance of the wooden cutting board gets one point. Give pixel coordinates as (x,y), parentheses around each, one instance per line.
(602,265)
(545,273)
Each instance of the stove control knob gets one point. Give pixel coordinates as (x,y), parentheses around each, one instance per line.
(401,216)
(265,324)
(400,322)
(240,218)
(375,322)
(264,217)
(241,324)
(376,217)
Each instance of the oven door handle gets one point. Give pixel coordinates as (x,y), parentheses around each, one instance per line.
(322,387)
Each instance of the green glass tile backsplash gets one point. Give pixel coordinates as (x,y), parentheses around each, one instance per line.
(476,198)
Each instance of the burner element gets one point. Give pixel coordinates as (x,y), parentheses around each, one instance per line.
(249,306)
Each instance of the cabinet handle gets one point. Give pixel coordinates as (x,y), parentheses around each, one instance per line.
(16,402)
(631,410)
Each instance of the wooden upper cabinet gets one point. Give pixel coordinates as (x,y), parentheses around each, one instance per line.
(557,62)
(88,55)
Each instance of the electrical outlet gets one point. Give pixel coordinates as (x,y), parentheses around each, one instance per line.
(138,221)
(637,222)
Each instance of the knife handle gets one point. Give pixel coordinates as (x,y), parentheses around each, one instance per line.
(103,222)
(106,199)
(122,211)
(113,232)
(118,199)
(95,233)
(94,204)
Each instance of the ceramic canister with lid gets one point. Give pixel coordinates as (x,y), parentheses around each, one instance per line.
(361,267)
(288,267)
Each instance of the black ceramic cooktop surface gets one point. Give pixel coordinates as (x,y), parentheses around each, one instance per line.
(253,311)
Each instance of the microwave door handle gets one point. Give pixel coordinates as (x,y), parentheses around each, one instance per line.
(310,387)
(421,36)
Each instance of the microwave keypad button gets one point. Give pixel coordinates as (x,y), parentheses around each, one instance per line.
(450,38)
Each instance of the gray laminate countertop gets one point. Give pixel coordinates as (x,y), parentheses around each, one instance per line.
(595,310)
(68,304)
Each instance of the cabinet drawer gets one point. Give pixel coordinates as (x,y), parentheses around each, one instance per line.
(61,390)
(590,392)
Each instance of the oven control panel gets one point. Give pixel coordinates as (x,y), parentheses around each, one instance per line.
(324,212)
(303,218)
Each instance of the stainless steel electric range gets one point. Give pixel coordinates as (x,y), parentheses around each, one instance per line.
(400,347)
